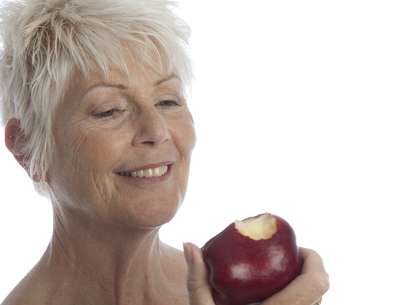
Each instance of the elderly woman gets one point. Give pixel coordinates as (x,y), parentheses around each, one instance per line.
(93,104)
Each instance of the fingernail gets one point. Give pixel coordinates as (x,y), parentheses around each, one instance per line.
(187,252)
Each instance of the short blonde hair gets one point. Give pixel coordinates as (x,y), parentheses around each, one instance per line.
(46,41)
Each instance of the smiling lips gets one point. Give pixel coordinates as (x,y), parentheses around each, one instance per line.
(147,173)
(155,170)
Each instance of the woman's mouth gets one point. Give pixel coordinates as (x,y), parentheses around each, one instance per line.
(148,175)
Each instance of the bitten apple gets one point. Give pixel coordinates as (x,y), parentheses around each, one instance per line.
(251,259)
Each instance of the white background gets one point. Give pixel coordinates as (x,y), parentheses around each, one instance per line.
(301,110)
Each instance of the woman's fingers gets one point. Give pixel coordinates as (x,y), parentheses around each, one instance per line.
(304,290)
(308,287)
(198,287)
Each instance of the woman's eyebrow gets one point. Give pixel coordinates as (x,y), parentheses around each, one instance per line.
(104,85)
(169,77)
(123,87)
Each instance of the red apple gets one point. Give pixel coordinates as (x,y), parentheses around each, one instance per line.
(251,260)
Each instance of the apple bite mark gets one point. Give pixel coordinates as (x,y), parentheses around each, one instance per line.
(257,228)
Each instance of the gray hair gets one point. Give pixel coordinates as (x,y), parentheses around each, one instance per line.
(46,41)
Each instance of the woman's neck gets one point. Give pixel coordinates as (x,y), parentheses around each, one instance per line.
(87,264)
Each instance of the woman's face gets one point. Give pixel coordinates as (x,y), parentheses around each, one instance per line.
(105,127)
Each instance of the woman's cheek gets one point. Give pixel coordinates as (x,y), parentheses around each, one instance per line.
(101,188)
(102,146)
(182,127)
(188,136)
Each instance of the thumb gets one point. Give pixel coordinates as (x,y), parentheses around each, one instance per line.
(198,287)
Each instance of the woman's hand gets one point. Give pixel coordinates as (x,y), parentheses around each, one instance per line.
(306,289)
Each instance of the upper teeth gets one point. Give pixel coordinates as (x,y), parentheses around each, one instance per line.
(149,172)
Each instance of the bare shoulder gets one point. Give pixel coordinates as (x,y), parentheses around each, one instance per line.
(175,258)
(176,267)
(28,292)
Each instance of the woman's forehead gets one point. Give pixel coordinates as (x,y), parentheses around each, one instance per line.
(139,80)
(131,71)
(134,77)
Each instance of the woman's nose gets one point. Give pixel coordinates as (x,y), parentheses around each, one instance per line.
(151,128)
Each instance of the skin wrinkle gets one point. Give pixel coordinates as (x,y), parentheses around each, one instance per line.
(67,256)
(57,241)
(89,273)
(77,143)
(62,287)
(76,146)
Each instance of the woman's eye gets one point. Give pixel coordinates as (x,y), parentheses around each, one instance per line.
(108,113)
(168,103)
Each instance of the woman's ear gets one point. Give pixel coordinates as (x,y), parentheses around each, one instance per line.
(13,137)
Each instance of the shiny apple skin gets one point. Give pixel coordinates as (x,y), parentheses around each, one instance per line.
(263,266)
